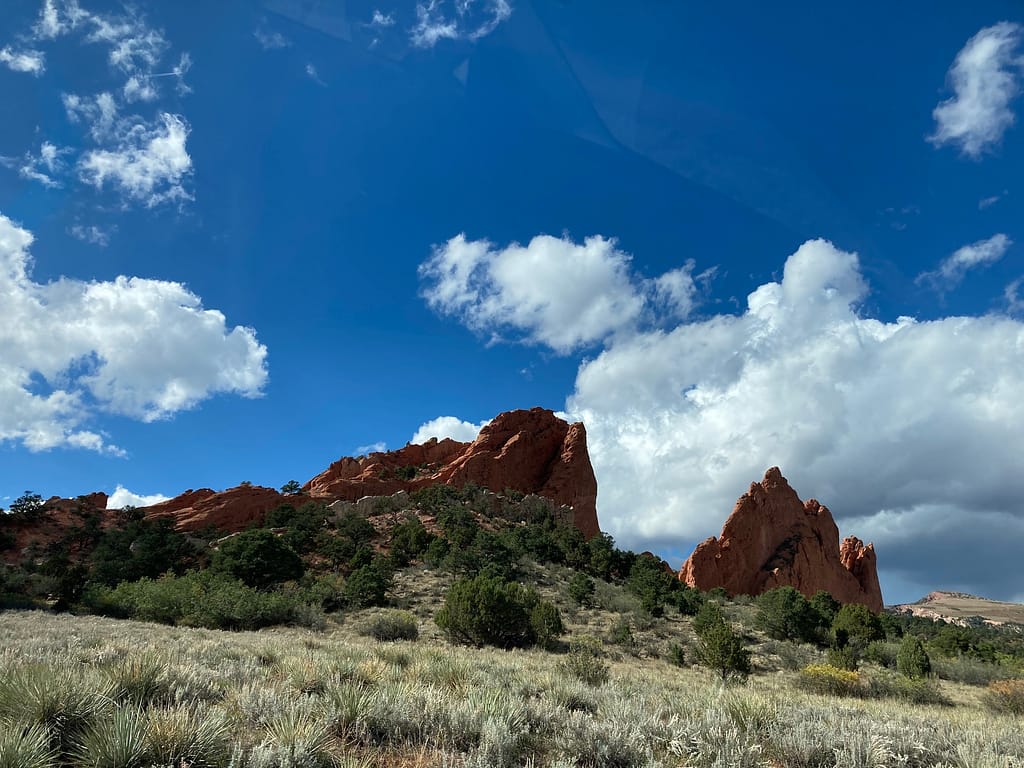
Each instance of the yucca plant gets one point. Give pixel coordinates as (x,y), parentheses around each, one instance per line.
(57,699)
(299,738)
(185,736)
(139,680)
(118,741)
(25,746)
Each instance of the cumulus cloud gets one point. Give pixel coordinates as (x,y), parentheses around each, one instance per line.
(436,22)
(122,498)
(985,79)
(907,429)
(974,256)
(71,350)
(448,426)
(29,61)
(551,291)
(883,421)
(148,164)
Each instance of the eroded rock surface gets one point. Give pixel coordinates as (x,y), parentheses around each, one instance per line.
(773,539)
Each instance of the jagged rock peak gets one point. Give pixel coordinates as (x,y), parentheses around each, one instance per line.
(773,539)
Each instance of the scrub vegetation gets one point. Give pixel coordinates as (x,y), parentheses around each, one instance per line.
(437,636)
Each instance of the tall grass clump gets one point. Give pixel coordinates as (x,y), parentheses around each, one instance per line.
(585,663)
(25,746)
(392,625)
(115,741)
(53,698)
(187,736)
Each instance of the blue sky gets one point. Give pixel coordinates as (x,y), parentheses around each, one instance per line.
(239,240)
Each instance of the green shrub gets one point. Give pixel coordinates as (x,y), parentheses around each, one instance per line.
(585,663)
(621,633)
(906,689)
(546,623)
(912,659)
(366,586)
(409,540)
(719,648)
(488,610)
(826,607)
(676,655)
(843,658)
(197,599)
(857,623)
(393,625)
(689,601)
(882,653)
(258,559)
(785,614)
(830,681)
(709,614)
(581,589)
(1006,696)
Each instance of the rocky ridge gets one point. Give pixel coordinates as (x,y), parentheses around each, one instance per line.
(774,539)
(530,451)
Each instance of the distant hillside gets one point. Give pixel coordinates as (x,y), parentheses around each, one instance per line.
(964,610)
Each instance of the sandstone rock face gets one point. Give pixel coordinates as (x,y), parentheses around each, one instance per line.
(232,510)
(532,451)
(773,539)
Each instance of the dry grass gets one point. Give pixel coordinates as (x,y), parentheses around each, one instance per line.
(288,698)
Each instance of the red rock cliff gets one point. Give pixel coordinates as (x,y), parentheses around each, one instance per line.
(529,451)
(772,539)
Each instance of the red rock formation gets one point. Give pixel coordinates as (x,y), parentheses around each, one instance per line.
(772,539)
(529,451)
(232,510)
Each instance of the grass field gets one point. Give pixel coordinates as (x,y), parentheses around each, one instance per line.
(88,691)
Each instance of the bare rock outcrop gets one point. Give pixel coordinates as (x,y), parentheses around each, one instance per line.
(531,451)
(231,510)
(773,539)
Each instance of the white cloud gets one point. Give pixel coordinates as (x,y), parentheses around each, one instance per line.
(448,426)
(988,202)
(553,291)
(976,255)
(364,450)
(270,40)
(99,112)
(907,429)
(985,80)
(91,234)
(58,18)
(122,497)
(434,24)
(149,164)
(871,417)
(1014,301)
(314,75)
(45,166)
(71,350)
(381,20)
(143,158)
(29,61)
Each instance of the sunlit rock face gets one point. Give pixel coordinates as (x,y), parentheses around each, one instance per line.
(773,539)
